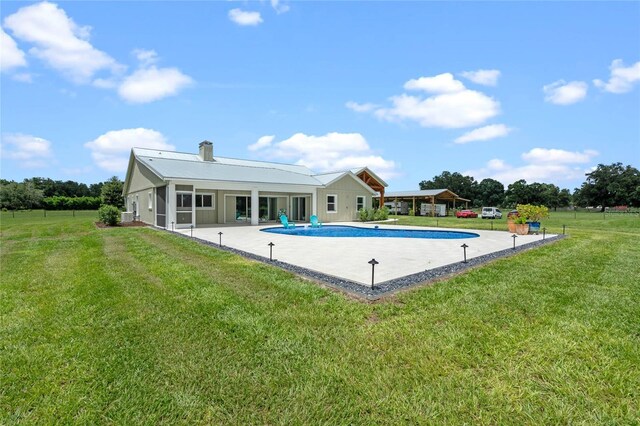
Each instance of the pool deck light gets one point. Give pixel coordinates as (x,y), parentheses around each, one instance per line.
(271,251)
(464,249)
(373,263)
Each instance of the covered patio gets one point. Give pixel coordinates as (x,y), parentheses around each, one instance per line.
(431,196)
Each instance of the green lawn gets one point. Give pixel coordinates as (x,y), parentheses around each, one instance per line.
(132,325)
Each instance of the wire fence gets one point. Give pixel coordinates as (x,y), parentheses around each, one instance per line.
(41,213)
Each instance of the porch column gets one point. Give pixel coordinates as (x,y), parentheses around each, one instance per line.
(255,207)
(314,202)
(171,205)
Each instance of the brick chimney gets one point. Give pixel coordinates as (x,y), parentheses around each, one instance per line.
(206,150)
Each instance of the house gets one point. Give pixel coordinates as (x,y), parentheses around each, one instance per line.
(175,189)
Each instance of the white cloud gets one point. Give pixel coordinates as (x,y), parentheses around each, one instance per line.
(10,55)
(622,78)
(484,133)
(60,42)
(484,77)
(558,156)
(279,7)
(563,93)
(27,150)
(145,57)
(368,107)
(331,152)
(451,104)
(450,110)
(243,18)
(441,83)
(23,77)
(263,142)
(110,151)
(151,84)
(541,165)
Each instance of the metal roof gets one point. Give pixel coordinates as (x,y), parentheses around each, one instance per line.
(327,178)
(212,170)
(421,193)
(181,165)
(172,155)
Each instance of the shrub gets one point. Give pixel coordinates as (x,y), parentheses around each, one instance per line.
(381,214)
(532,212)
(369,215)
(363,214)
(109,215)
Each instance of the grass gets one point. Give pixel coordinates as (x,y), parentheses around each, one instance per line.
(132,325)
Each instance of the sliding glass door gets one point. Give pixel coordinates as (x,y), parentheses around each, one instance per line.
(267,209)
(298,208)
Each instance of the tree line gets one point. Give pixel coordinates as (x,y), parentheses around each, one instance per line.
(606,186)
(45,193)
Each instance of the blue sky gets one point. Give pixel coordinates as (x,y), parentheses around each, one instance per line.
(508,90)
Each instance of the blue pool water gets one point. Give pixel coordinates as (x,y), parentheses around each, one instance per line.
(354,231)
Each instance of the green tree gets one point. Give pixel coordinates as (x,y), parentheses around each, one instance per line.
(18,196)
(610,185)
(517,193)
(564,198)
(463,186)
(490,192)
(111,192)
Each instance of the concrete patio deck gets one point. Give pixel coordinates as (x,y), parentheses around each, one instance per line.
(347,258)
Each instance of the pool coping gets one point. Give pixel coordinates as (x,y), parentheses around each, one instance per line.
(385,288)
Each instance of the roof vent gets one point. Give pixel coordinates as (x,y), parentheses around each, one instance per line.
(206,151)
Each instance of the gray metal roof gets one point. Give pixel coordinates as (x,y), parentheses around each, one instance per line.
(327,178)
(154,153)
(171,168)
(421,193)
(181,165)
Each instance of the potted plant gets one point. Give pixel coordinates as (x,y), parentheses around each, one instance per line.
(521,225)
(533,214)
(511,221)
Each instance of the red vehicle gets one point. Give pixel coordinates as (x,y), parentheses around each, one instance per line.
(466,213)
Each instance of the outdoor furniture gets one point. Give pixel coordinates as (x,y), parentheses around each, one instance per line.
(285,222)
(314,221)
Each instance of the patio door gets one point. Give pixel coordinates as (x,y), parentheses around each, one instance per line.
(298,208)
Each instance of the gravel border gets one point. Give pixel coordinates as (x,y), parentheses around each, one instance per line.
(384,288)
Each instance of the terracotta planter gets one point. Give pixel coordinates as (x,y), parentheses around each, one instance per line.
(522,228)
(512,226)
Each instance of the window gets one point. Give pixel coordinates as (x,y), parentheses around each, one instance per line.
(359,203)
(150,200)
(205,201)
(332,203)
(184,201)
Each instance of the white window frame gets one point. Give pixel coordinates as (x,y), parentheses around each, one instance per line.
(335,203)
(201,195)
(182,193)
(150,200)
(364,202)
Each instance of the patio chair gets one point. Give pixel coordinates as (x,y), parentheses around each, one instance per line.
(285,222)
(314,221)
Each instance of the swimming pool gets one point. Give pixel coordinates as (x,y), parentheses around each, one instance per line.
(354,231)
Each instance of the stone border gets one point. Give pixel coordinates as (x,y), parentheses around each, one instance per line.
(385,288)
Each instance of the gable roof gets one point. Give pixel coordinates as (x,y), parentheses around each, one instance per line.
(423,193)
(186,166)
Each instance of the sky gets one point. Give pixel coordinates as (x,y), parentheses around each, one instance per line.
(541,91)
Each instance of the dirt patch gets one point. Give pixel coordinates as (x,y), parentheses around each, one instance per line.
(121,225)
(373,318)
